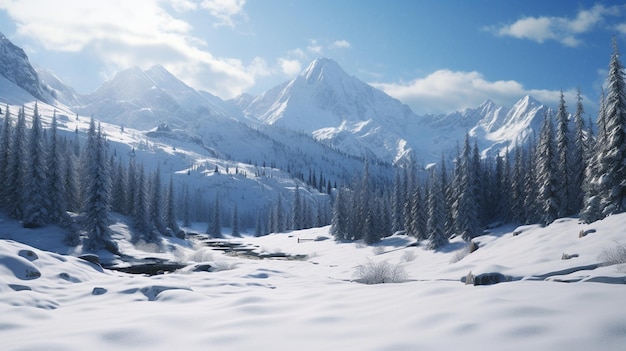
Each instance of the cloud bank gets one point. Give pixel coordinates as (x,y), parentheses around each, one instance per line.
(564,30)
(138,33)
(445,91)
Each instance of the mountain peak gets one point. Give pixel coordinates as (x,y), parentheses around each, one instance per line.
(322,68)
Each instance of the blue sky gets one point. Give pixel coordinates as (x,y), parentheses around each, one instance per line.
(436,56)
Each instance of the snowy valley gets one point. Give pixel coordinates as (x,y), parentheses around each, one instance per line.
(259,256)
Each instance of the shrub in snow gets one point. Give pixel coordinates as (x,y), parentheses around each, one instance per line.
(380,273)
(613,255)
(408,256)
(468,249)
(468,279)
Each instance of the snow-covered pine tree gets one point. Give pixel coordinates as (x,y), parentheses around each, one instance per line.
(171,221)
(578,158)
(418,213)
(436,213)
(339,227)
(258,226)
(468,211)
(70,180)
(98,194)
(35,192)
(517,186)
(547,178)
(156,202)
(16,168)
(57,204)
(297,222)
(612,155)
(563,163)
(131,187)
(5,156)
(532,211)
(280,215)
(235,225)
(141,216)
(215,227)
(185,203)
(397,201)
(119,191)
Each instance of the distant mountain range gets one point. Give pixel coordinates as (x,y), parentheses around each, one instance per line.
(323,102)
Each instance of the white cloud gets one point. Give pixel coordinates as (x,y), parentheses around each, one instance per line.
(561,29)
(224,10)
(290,67)
(140,33)
(315,48)
(446,91)
(341,44)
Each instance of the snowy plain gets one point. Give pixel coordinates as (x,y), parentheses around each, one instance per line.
(52,300)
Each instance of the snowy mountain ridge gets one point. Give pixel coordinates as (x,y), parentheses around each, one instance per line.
(323,102)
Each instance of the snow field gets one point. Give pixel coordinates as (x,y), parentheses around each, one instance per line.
(315,303)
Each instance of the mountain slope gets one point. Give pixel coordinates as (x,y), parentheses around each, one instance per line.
(16,68)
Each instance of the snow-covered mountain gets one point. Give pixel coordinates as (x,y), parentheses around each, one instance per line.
(144,99)
(15,67)
(342,111)
(338,109)
(324,114)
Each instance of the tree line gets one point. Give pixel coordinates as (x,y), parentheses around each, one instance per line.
(566,170)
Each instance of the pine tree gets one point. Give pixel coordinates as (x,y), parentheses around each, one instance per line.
(36,194)
(141,215)
(16,168)
(279,216)
(186,213)
(97,194)
(215,228)
(517,186)
(340,222)
(435,206)
(5,156)
(467,207)
(297,221)
(170,211)
(57,204)
(397,203)
(156,202)
(418,214)
(547,173)
(578,158)
(235,226)
(563,150)
(119,191)
(612,152)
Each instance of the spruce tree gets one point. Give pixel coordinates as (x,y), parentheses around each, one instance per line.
(5,156)
(235,226)
(297,221)
(171,221)
(547,173)
(436,217)
(215,227)
(612,156)
(141,216)
(57,204)
(36,194)
(339,227)
(563,151)
(578,158)
(16,168)
(156,202)
(97,194)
